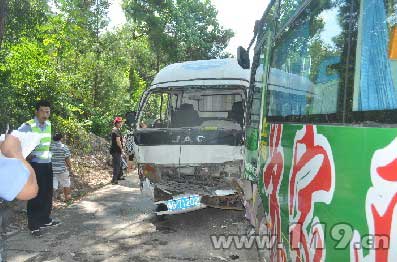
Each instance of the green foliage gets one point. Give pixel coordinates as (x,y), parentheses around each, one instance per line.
(76,132)
(61,50)
(179,30)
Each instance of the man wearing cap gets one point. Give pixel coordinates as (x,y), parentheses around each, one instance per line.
(116,149)
(39,208)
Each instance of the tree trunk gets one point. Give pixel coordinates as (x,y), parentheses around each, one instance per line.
(158,61)
(97,57)
(132,80)
(3,17)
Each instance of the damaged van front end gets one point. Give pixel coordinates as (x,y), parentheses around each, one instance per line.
(188,136)
(194,166)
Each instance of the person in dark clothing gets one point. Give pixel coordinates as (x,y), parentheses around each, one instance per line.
(116,150)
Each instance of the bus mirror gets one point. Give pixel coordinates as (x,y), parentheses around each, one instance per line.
(243,57)
(130,118)
(393,43)
(257,26)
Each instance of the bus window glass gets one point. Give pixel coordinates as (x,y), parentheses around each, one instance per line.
(257,98)
(287,9)
(306,66)
(376,76)
(255,108)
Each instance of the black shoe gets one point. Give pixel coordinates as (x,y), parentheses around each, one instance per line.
(121,178)
(53,223)
(36,233)
(114,182)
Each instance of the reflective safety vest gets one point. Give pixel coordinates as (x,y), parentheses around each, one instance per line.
(42,151)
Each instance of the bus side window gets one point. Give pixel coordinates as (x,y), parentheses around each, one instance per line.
(307,67)
(254,112)
(376,77)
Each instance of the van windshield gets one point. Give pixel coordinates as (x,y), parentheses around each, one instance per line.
(193,108)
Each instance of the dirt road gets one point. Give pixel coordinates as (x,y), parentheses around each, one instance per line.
(116,223)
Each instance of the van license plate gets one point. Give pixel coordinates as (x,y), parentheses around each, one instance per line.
(183,203)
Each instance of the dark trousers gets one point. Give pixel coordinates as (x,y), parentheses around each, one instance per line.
(117,170)
(39,208)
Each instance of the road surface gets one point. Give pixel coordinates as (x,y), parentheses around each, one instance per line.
(116,223)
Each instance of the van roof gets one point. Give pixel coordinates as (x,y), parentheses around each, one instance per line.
(214,72)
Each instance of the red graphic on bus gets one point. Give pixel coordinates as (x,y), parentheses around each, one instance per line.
(381,208)
(312,180)
(272,177)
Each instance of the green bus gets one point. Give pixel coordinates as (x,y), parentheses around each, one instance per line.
(320,167)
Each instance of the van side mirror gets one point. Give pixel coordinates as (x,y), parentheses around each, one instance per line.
(243,57)
(130,118)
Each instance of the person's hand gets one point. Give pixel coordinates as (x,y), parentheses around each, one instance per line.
(11,147)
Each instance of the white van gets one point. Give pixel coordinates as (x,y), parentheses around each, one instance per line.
(188,135)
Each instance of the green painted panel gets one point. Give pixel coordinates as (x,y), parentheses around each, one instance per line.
(252,139)
(251,155)
(333,185)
